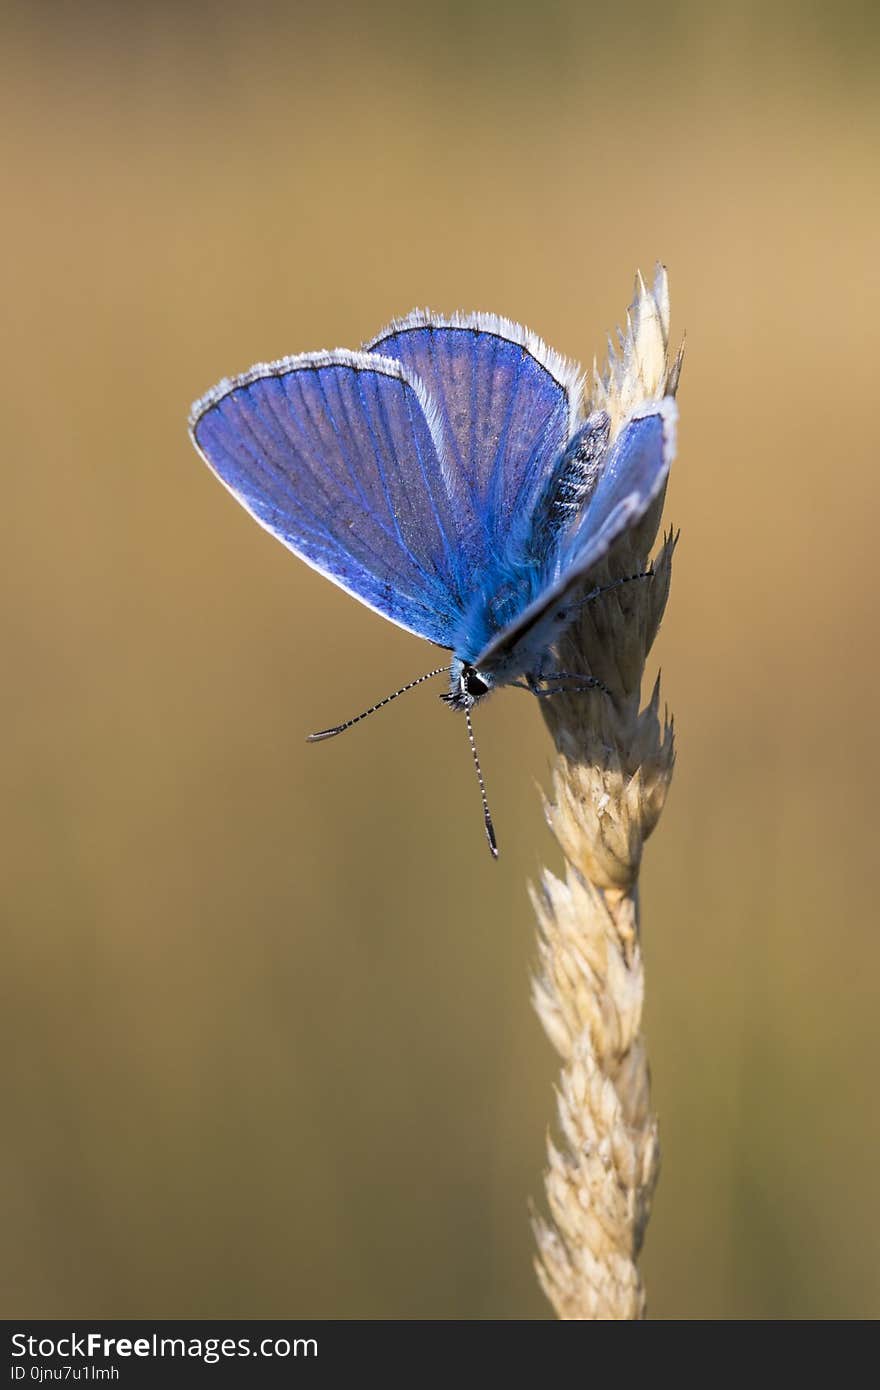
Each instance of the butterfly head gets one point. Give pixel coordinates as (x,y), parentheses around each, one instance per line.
(467,685)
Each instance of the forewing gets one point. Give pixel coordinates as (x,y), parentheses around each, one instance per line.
(338,455)
(508,405)
(634,471)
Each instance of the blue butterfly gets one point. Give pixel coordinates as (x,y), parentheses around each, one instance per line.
(445,477)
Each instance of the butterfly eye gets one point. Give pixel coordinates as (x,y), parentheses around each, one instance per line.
(473,684)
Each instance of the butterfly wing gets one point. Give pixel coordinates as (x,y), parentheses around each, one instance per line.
(508,406)
(339,456)
(633,473)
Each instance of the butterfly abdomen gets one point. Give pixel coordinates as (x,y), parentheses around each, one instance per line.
(567,489)
(578,470)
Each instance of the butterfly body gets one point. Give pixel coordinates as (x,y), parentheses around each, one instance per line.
(446,477)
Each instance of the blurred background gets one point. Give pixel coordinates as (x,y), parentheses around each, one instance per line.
(267,1036)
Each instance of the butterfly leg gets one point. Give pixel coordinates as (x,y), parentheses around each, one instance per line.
(606,588)
(584,683)
(570,690)
(536,679)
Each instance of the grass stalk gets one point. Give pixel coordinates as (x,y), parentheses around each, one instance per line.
(611,773)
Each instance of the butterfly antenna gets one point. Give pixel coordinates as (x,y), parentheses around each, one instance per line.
(341,728)
(487,819)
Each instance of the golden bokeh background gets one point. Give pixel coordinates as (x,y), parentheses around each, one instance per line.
(268,1048)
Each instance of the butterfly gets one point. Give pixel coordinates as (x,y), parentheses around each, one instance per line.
(446,476)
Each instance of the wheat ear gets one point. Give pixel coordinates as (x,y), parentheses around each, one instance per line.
(610,778)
